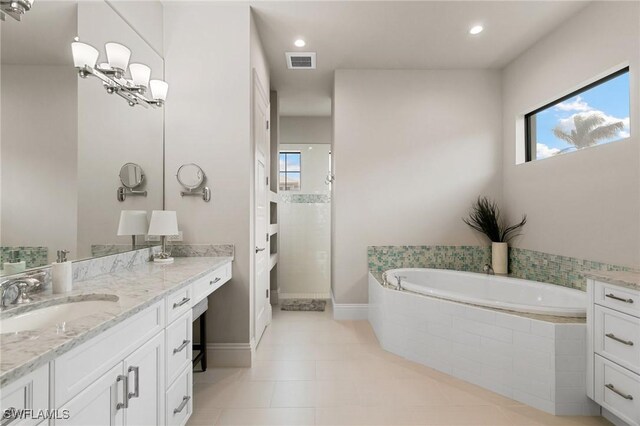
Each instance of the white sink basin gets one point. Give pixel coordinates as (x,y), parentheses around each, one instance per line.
(57,315)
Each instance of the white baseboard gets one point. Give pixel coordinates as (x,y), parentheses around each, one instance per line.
(349,311)
(283,296)
(229,354)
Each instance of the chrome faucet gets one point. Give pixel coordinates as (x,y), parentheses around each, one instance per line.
(16,291)
(488,269)
(399,280)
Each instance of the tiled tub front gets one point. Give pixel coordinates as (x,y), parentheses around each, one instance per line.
(539,363)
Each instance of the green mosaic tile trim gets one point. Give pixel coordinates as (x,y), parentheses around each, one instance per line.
(525,264)
(305,198)
(33,256)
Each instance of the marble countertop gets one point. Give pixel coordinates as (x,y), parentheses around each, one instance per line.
(628,279)
(136,288)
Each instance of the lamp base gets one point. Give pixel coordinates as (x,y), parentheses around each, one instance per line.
(163,261)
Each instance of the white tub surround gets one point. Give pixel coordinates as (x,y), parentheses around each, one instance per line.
(613,345)
(511,294)
(538,362)
(129,363)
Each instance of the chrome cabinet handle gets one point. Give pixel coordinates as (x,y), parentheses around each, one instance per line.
(180,303)
(182,346)
(260,249)
(613,389)
(136,383)
(613,296)
(617,339)
(212,282)
(183,404)
(125,392)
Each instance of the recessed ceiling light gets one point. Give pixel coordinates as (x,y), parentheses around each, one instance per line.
(476,29)
(300,43)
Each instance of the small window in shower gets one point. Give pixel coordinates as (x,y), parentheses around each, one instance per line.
(290,170)
(593,115)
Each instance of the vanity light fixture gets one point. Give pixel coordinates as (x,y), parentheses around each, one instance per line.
(14,8)
(476,29)
(300,43)
(112,74)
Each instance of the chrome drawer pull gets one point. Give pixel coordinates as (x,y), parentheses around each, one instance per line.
(182,346)
(613,389)
(125,392)
(613,296)
(215,281)
(182,405)
(136,383)
(617,339)
(180,303)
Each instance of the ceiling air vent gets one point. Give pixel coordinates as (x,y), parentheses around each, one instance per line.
(301,60)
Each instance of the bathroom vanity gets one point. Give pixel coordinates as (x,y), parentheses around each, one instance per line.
(613,344)
(128,362)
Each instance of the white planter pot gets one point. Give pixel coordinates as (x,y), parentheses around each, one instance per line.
(500,258)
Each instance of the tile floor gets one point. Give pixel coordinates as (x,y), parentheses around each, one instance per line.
(312,370)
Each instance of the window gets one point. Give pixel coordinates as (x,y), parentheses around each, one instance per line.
(594,115)
(290,170)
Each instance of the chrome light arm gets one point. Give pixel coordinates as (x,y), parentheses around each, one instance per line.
(114,83)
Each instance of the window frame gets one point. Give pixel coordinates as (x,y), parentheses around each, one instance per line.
(528,143)
(299,172)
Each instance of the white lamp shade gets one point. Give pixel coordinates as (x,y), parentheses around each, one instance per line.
(140,74)
(163,222)
(117,55)
(159,89)
(84,55)
(133,222)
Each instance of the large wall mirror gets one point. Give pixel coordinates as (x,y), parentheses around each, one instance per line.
(64,140)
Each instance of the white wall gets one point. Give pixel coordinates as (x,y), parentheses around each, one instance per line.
(305,229)
(412,150)
(584,204)
(39,154)
(305,130)
(208,62)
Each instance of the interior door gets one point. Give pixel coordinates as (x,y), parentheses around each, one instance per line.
(101,404)
(145,369)
(262,307)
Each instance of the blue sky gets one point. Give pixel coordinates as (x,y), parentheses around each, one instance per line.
(610,100)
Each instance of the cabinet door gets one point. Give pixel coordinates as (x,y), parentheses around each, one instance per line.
(100,404)
(145,370)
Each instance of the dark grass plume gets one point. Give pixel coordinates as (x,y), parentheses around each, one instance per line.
(485,217)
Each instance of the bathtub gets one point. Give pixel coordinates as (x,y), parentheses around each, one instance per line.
(511,294)
(489,331)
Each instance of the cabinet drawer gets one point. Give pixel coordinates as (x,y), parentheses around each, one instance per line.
(179,346)
(29,392)
(618,298)
(178,303)
(179,399)
(617,337)
(78,368)
(211,282)
(618,390)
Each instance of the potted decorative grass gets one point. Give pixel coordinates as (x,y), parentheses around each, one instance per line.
(485,218)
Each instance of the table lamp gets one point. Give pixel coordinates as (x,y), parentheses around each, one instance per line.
(163,223)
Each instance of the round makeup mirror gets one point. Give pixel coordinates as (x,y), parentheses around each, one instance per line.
(131,175)
(190,176)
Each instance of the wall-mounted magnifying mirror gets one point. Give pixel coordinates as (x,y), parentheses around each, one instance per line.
(131,177)
(192,177)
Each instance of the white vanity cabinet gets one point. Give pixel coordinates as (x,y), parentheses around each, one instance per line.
(137,372)
(613,324)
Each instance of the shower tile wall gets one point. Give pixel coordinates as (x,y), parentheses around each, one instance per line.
(305,228)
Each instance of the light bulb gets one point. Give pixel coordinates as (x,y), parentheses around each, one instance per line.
(476,29)
(140,74)
(300,43)
(159,89)
(117,55)
(84,55)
